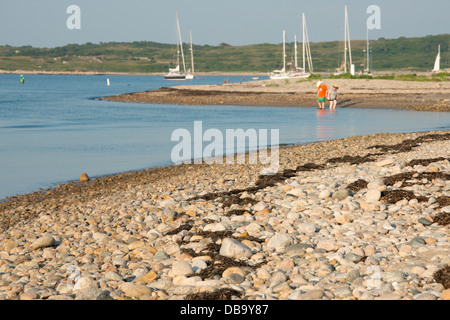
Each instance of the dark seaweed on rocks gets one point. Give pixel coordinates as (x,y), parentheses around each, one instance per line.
(442,218)
(409,144)
(236,212)
(442,276)
(393,196)
(353,159)
(424,162)
(221,294)
(357,185)
(403,177)
(310,167)
(443,201)
(391,180)
(187,226)
(236,199)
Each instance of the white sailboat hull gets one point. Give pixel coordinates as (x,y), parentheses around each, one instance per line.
(181,77)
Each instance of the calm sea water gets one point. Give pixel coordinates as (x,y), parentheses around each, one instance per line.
(52,128)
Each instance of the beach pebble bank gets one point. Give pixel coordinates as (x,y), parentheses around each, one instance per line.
(344,231)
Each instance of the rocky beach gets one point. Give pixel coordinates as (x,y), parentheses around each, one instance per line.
(353,93)
(360,218)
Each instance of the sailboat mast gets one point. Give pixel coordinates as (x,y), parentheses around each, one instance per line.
(345,40)
(178,42)
(284,50)
(348,37)
(181,43)
(295,56)
(304,41)
(192,51)
(368,56)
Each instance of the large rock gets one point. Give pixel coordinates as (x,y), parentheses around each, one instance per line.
(260,206)
(373,195)
(342,194)
(280,240)
(84,177)
(134,290)
(234,249)
(43,242)
(182,268)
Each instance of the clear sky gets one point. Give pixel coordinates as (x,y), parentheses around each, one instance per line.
(42,23)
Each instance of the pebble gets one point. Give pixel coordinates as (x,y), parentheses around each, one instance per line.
(134,290)
(373,195)
(280,240)
(308,237)
(342,194)
(234,249)
(425,222)
(84,177)
(182,268)
(42,242)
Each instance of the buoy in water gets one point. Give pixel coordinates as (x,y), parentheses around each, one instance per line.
(22,79)
(107,82)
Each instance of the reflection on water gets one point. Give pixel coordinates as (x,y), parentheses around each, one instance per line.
(321,128)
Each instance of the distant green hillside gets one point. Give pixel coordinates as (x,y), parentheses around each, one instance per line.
(409,54)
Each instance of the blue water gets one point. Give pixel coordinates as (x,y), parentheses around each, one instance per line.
(52,128)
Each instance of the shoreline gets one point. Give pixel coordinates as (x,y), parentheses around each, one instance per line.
(355,93)
(134,233)
(111,180)
(41,193)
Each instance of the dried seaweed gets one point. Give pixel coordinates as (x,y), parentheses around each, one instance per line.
(221,294)
(357,185)
(442,276)
(393,196)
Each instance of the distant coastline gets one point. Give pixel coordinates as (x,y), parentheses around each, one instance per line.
(93,73)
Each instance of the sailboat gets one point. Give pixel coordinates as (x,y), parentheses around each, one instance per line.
(437,63)
(281,74)
(347,50)
(190,73)
(175,74)
(297,73)
(300,73)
